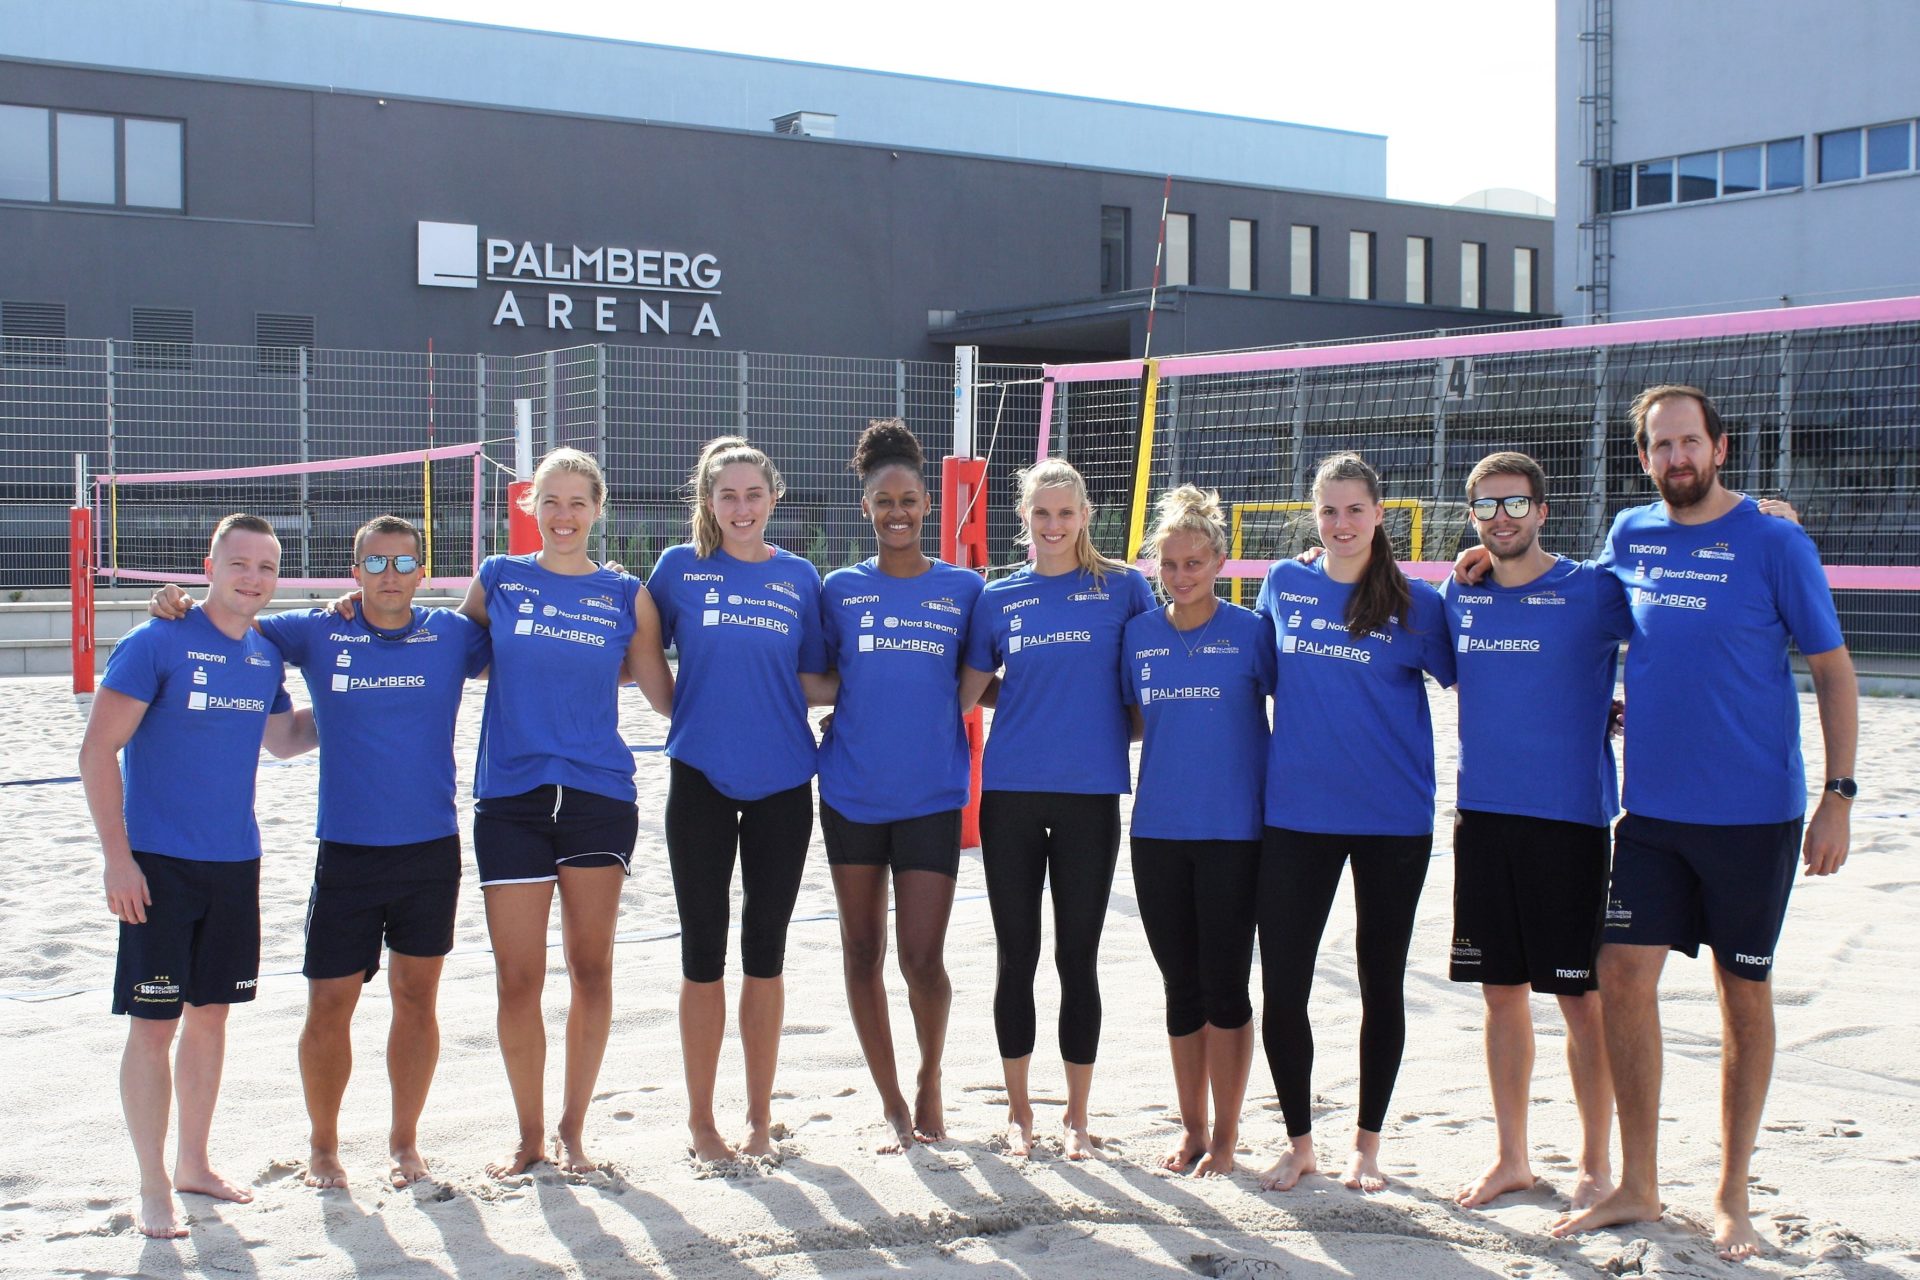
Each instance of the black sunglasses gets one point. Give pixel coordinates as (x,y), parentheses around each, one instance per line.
(1516,506)
(401,564)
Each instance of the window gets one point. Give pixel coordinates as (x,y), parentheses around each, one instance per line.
(1419,269)
(1525,295)
(1179,250)
(1654,183)
(1840,155)
(1473,274)
(83,167)
(1621,182)
(1890,147)
(25,167)
(1739,170)
(1241,270)
(1306,260)
(1360,264)
(1699,176)
(1786,164)
(1116,223)
(78,157)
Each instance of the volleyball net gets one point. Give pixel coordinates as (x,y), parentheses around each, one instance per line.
(153,526)
(1822,406)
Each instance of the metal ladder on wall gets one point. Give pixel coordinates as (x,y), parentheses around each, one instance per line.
(1598,103)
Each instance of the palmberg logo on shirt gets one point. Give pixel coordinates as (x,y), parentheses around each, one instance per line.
(346,684)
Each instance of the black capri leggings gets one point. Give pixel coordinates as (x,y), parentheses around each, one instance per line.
(1196,904)
(704,828)
(1028,838)
(1299,874)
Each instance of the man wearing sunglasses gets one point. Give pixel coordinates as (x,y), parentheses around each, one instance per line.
(1535,644)
(386,686)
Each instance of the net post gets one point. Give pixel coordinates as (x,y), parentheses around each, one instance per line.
(80,578)
(523,531)
(963,541)
(1142,465)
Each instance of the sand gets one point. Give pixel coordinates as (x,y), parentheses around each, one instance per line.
(1837,1178)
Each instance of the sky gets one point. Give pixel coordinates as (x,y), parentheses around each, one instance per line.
(1463,89)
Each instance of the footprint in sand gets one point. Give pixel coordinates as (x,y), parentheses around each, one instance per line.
(623,1116)
(846,1092)
(279,1171)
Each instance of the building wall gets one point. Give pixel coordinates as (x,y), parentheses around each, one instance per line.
(1699,77)
(373,53)
(307,203)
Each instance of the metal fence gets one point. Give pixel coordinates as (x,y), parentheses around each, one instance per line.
(644,412)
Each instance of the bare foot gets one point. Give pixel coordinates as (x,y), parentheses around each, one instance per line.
(1590,1187)
(929,1114)
(759,1141)
(406,1166)
(1283,1174)
(1077,1143)
(1217,1163)
(1617,1208)
(324,1171)
(1734,1237)
(570,1154)
(524,1157)
(902,1132)
(205,1182)
(1020,1135)
(1363,1172)
(708,1145)
(1495,1181)
(156,1219)
(1183,1153)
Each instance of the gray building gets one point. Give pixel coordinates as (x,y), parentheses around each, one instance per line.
(1727,156)
(261,172)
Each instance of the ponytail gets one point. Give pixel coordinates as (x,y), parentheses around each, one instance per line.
(1382,592)
(719,454)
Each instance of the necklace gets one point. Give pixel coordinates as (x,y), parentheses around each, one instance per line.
(1198,640)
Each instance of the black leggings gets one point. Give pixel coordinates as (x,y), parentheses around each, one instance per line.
(1071,842)
(704,828)
(1196,904)
(1299,874)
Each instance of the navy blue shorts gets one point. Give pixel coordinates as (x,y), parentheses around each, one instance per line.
(1528,894)
(929,843)
(525,839)
(1679,884)
(201,941)
(364,894)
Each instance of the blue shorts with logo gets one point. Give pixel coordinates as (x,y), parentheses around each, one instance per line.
(1679,884)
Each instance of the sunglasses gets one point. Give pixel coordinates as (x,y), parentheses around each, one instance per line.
(1516,506)
(401,564)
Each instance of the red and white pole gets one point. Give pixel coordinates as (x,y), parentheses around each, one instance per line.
(80,577)
(523,531)
(963,541)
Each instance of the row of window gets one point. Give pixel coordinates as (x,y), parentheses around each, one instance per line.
(1304,261)
(1842,155)
(78,157)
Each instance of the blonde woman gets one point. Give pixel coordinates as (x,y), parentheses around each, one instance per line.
(1201,671)
(745,616)
(1055,767)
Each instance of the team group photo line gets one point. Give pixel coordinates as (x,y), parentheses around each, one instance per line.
(1279,746)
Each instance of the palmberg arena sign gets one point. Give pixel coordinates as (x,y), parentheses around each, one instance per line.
(642,290)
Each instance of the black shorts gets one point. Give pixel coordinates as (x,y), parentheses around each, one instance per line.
(201,941)
(1528,898)
(524,839)
(1678,884)
(404,894)
(930,843)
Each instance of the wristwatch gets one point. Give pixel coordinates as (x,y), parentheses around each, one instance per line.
(1845,788)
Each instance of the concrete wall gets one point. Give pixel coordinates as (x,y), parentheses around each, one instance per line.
(1696,77)
(397,56)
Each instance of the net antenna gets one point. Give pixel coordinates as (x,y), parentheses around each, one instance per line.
(1150,376)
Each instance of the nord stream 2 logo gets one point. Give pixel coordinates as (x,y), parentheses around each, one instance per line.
(603,288)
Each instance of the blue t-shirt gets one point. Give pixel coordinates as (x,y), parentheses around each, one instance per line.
(188,770)
(1059,723)
(384,704)
(897,748)
(1203,763)
(552,714)
(1537,667)
(745,633)
(1352,745)
(1713,719)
